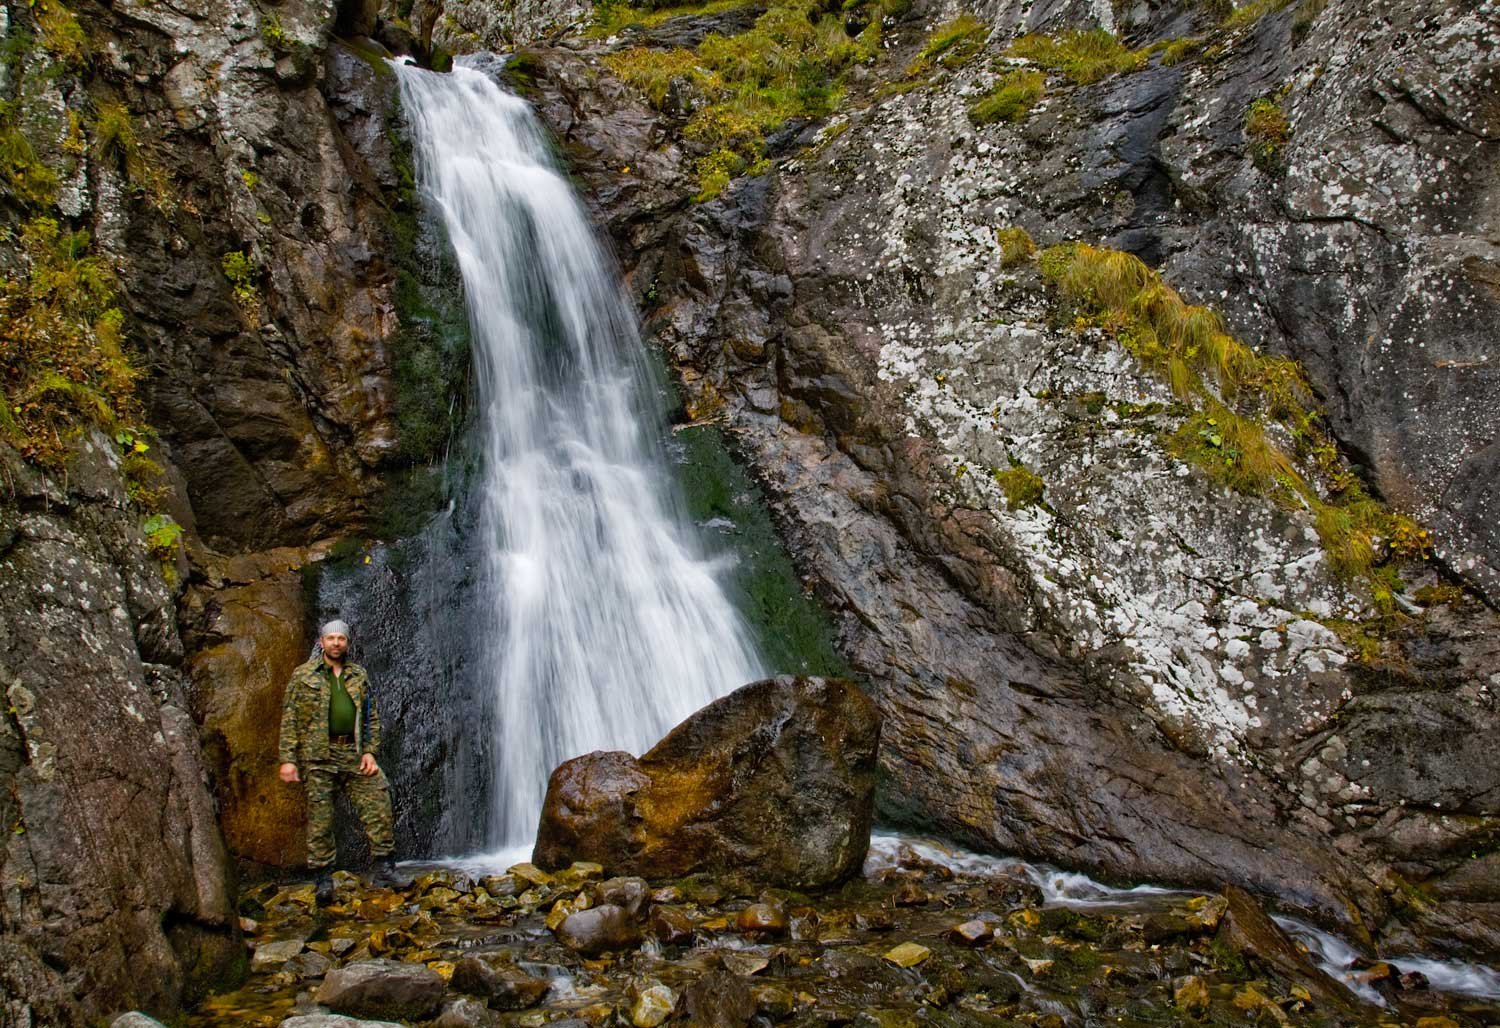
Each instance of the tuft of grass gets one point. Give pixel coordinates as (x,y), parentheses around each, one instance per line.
(1083,56)
(612,18)
(1010,98)
(951,45)
(115,139)
(790,65)
(1016,246)
(1253,11)
(1267,131)
(1176,51)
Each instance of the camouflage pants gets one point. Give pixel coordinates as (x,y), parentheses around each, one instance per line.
(370,795)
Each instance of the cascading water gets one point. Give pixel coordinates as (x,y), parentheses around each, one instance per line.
(602,621)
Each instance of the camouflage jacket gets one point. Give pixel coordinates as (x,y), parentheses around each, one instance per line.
(304,712)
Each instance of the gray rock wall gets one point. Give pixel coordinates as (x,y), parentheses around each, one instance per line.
(113,888)
(1143,674)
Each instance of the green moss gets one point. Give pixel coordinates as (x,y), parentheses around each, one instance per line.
(431,350)
(1022,487)
(1083,56)
(1267,132)
(792,630)
(1308,12)
(26,178)
(1010,98)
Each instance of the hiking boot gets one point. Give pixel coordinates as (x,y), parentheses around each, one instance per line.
(384,875)
(323,887)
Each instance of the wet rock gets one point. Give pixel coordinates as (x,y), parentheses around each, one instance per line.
(272,954)
(599,930)
(908,954)
(1249,929)
(744,963)
(501,885)
(135,1019)
(719,1000)
(763,920)
(670,926)
(972,933)
(629,894)
(773,1001)
(333,1021)
(649,1003)
(788,763)
(911,895)
(1190,995)
(465,1013)
(503,986)
(530,873)
(382,988)
(308,964)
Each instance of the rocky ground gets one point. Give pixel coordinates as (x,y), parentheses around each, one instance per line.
(910,943)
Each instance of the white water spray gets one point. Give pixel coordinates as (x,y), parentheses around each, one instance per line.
(605,622)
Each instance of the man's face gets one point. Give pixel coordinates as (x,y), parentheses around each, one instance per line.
(335,645)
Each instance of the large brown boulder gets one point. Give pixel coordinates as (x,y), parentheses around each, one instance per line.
(777,778)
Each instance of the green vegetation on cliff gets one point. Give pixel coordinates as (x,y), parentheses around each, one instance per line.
(1254,426)
(738,88)
(1082,55)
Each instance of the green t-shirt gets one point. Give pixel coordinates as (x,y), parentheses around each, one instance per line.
(340,706)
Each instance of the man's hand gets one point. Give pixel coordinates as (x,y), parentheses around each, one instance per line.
(289,773)
(367,765)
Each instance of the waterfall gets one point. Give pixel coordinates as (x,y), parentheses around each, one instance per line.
(601,618)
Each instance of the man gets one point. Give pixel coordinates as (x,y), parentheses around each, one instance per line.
(329,734)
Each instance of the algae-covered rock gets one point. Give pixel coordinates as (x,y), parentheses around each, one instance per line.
(775,779)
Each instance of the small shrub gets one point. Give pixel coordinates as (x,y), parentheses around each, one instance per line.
(1016,246)
(1084,56)
(240,268)
(1010,99)
(1267,131)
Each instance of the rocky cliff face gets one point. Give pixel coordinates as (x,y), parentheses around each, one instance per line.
(232,169)
(115,890)
(1085,648)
